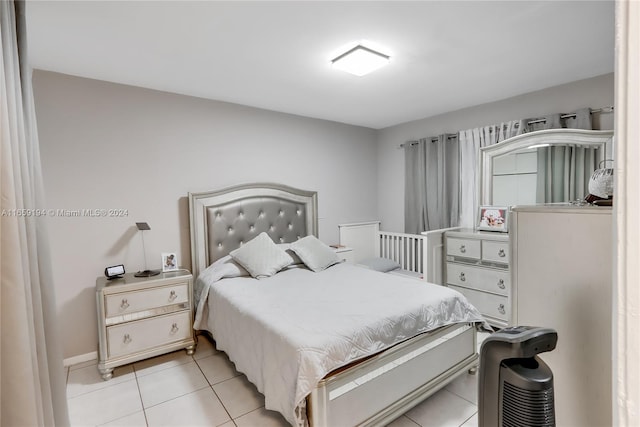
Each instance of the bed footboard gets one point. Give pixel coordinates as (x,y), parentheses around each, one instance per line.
(382,388)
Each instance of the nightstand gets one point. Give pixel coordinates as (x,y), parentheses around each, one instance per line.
(345,254)
(142,317)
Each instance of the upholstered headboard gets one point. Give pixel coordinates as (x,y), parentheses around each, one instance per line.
(222,220)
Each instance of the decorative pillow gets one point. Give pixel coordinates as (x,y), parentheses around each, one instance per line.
(261,257)
(380,264)
(234,269)
(294,257)
(315,254)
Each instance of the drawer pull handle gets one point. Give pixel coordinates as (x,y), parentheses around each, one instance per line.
(501,309)
(126,339)
(172,295)
(501,253)
(463,249)
(124,305)
(462,277)
(174,328)
(501,284)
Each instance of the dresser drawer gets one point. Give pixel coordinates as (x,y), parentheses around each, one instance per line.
(131,302)
(467,248)
(495,251)
(132,337)
(490,280)
(490,305)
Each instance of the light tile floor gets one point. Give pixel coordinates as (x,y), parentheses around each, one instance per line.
(205,390)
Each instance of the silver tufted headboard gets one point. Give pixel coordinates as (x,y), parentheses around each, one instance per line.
(221,220)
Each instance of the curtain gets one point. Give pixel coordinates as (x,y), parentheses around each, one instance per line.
(564,172)
(32,384)
(431,184)
(471,141)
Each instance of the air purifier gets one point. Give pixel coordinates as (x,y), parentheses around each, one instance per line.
(515,387)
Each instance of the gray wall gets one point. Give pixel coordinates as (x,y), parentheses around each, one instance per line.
(119,147)
(112,146)
(594,92)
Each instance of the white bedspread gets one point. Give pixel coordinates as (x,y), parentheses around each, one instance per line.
(286,332)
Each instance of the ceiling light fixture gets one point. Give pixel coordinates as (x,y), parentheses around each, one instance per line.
(360,60)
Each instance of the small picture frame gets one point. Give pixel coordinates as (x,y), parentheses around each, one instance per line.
(169,261)
(493,218)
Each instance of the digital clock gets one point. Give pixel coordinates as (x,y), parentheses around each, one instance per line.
(114,272)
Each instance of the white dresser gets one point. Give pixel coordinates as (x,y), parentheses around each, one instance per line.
(141,317)
(477,265)
(562,272)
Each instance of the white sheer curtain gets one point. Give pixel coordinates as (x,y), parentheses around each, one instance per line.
(471,141)
(431,184)
(32,383)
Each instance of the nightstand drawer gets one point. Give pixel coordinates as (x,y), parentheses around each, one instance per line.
(495,251)
(132,337)
(484,279)
(467,248)
(491,305)
(131,302)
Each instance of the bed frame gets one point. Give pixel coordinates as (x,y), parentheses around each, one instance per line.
(408,373)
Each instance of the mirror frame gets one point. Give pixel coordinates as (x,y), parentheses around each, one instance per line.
(587,138)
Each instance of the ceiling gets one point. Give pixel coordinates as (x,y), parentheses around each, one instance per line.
(446,55)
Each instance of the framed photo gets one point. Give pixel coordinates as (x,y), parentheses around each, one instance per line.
(169,261)
(493,218)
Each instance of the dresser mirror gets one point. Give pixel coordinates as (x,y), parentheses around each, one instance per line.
(547,166)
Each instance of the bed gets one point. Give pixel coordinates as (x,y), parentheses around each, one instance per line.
(322,349)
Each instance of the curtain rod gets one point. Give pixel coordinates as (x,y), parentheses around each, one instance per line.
(432,140)
(608,109)
(573,115)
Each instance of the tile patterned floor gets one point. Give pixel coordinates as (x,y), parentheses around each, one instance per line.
(205,390)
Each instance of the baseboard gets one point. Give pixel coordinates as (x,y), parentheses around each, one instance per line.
(70,361)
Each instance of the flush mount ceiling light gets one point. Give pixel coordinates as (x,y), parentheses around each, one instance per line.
(360,60)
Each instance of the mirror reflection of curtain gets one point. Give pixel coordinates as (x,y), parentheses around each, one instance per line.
(431,184)
(471,141)
(564,172)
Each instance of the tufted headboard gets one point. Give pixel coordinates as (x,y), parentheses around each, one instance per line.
(221,220)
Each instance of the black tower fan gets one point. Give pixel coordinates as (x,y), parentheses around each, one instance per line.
(515,388)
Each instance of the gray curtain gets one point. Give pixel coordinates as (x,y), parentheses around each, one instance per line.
(431,184)
(564,172)
(32,383)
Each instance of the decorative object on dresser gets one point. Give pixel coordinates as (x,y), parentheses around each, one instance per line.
(601,184)
(493,218)
(169,262)
(477,265)
(140,317)
(562,278)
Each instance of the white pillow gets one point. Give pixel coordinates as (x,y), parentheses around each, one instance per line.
(234,269)
(261,257)
(294,257)
(315,254)
(380,264)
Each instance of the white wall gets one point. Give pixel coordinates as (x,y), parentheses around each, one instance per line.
(594,92)
(112,146)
